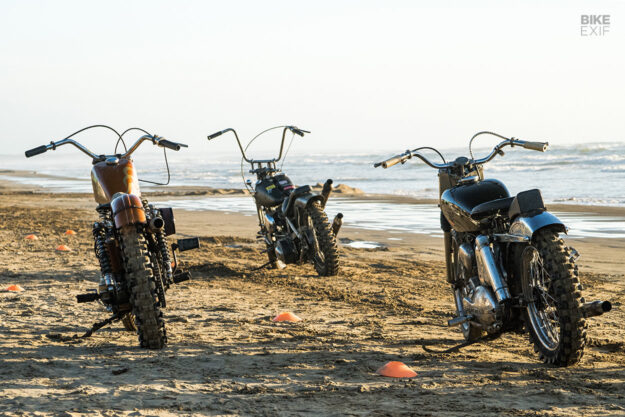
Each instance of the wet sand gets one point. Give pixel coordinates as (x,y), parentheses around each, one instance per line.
(226,357)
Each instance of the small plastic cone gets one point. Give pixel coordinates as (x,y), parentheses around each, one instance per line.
(63,248)
(70,232)
(31,237)
(14,287)
(396,369)
(286,316)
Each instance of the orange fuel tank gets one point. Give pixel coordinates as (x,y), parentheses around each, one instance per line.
(108,179)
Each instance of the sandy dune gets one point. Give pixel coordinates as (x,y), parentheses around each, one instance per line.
(226,357)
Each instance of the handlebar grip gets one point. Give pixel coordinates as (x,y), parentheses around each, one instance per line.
(36,151)
(536,146)
(392,161)
(214,135)
(169,144)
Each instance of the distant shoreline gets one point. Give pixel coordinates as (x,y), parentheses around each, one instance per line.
(8,187)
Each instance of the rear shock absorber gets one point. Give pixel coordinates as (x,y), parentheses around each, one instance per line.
(106,286)
(161,243)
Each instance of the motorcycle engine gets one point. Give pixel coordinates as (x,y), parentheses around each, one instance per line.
(286,251)
(479,300)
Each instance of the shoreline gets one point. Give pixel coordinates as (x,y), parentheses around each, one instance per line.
(599,254)
(15,187)
(9,187)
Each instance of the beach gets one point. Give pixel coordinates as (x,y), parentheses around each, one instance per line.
(226,356)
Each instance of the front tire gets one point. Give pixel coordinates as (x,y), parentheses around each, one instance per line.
(143,298)
(326,260)
(274,263)
(552,291)
(129,322)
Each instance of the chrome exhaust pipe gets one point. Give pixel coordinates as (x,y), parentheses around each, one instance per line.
(156,224)
(596,308)
(326,191)
(488,270)
(337,223)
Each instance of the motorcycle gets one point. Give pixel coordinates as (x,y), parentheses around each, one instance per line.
(292,220)
(130,241)
(505,261)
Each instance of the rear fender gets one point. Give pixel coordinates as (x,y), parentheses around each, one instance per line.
(127,209)
(304,201)
(167,213)
(528,225)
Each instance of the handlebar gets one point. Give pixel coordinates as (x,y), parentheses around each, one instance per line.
(156,140)
(293,129)
(402,158)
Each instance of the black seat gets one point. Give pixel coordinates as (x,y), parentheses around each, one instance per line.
(288,203)
(489,208)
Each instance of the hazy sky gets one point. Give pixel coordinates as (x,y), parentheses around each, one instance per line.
(362,75)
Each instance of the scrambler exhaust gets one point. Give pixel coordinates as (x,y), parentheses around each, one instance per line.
(596,308)
(326,191)
(338,219)
(337,223)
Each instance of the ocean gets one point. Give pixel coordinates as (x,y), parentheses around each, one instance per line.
(581,174)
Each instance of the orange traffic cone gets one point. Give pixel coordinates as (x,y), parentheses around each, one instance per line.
(31,237)
(14,287)
(286,316)
(63,248)
(70,232)
(396,369)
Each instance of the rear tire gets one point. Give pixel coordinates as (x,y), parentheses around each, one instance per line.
(143,298)
(328,263)
(550,283)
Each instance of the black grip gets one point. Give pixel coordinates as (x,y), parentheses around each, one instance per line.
(214,135)
(169,144)
(36,151)
(298,131)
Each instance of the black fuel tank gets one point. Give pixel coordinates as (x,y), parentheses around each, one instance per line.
(273,190)
(457,202)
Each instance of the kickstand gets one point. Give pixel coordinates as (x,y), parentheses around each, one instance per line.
(260,267)
(463,344)
(97,326)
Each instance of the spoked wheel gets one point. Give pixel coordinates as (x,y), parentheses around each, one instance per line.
(143,294)
(326,257)
(129,322)
(551,289)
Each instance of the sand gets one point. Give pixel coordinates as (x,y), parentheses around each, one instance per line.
(226,357)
